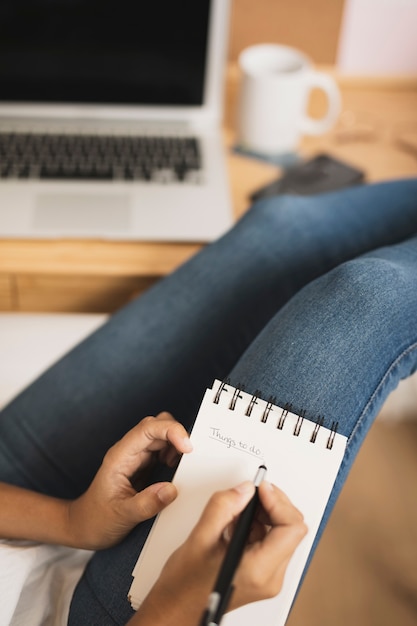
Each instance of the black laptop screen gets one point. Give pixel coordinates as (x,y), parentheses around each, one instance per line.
(151,52)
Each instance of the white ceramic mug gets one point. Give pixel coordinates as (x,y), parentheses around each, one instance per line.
(276,83)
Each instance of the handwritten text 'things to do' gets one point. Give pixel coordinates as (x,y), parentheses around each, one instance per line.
(238,444)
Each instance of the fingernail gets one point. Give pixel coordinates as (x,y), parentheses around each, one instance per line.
(187,444)
(166,494)
(245,487)
(227,535)
(268,485)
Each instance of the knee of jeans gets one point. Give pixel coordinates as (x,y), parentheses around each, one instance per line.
(368,286)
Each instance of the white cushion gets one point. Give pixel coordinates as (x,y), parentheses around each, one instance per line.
(37,580)
(31,342)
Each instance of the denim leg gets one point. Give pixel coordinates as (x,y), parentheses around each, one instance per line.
(337,348)
(161,351)
(341,345)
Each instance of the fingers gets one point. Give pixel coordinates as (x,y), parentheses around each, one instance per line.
(150,501)
(277,512)
(286,530)
(264,563)
(277,508)
(152,434)
(155,431)
(222,508)
(286,521)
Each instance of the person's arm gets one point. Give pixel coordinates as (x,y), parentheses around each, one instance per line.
(111,506)
(29,515)
(180,594)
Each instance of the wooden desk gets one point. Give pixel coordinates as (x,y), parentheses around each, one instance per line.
(101,276)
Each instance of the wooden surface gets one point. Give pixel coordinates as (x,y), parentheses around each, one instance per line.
(100,276)
(311,25)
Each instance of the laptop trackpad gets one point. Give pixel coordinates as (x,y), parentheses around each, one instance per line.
(83,213)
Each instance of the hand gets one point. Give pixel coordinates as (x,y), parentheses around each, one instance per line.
(111,506)
(180,594)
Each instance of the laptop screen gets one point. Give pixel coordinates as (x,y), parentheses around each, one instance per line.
(151,52)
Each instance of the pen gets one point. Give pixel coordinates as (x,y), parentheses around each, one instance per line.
(220,596)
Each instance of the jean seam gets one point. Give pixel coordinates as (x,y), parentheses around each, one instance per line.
(379,386)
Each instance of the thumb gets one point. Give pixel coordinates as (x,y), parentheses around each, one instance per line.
(151,501)
(222,508)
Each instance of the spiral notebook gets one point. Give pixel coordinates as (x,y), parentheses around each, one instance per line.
(233,434)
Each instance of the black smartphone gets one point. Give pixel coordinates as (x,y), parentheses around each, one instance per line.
(317,175)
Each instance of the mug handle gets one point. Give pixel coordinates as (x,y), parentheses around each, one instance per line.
(319,80)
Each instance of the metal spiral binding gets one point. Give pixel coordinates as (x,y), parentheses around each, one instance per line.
(254,400)
(317,427)
(236,397)
(271,402)
(287,409)
(332,435)
(220,390)
(270,405)
(300,420)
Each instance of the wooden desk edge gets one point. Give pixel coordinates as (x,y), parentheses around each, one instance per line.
(115,258)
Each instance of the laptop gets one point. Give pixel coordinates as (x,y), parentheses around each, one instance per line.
(110,119)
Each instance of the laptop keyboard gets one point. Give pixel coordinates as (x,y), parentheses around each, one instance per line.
(99,157)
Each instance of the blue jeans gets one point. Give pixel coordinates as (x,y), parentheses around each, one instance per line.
(311,300)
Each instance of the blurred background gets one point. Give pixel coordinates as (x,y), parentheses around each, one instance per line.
(312,25)
(359,36)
